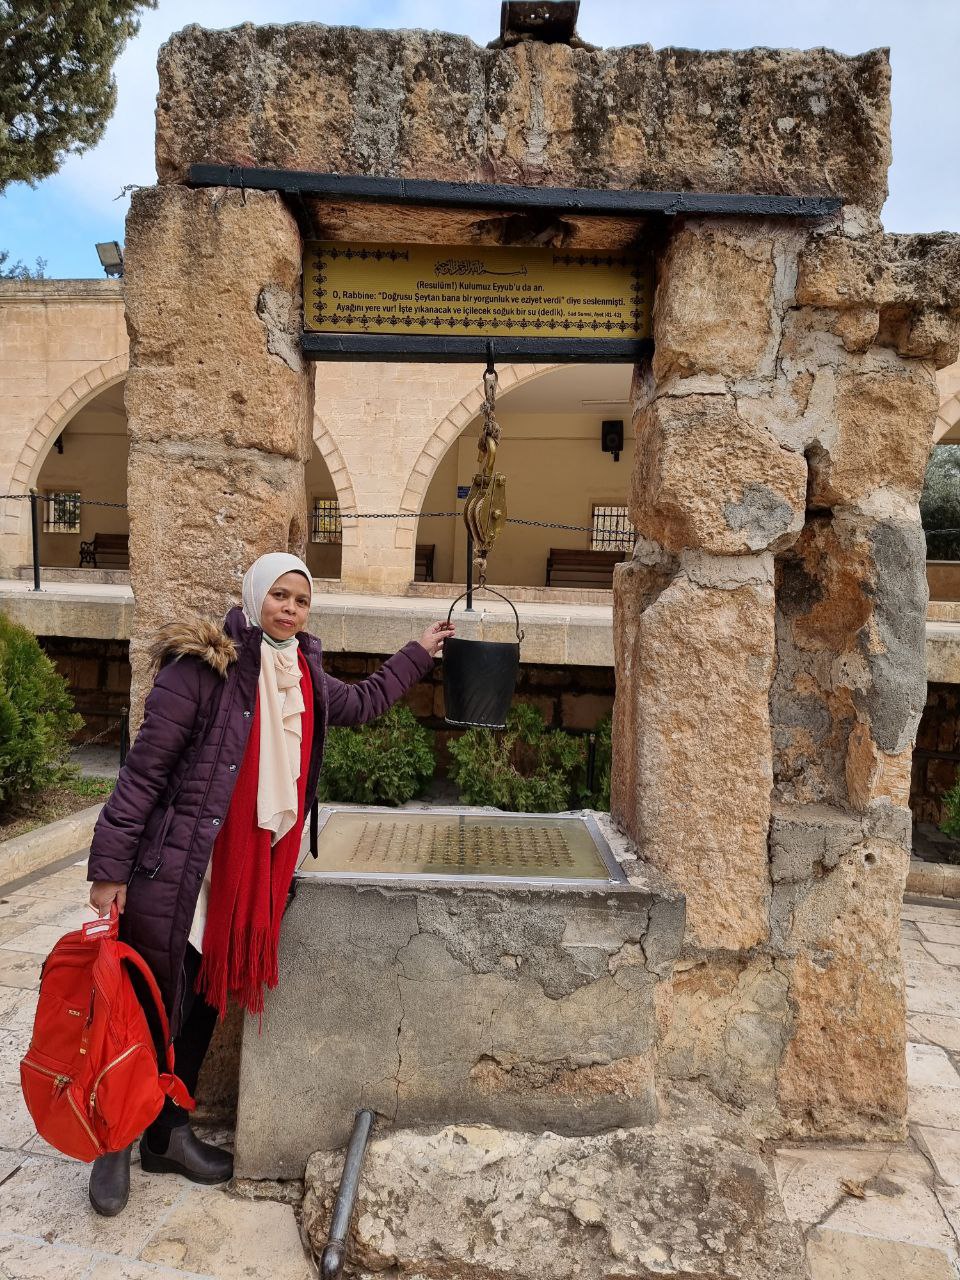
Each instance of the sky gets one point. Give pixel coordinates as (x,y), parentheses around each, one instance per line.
(63,217)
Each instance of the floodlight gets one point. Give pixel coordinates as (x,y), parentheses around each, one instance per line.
(111,257)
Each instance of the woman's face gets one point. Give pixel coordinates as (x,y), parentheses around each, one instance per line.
(286,607)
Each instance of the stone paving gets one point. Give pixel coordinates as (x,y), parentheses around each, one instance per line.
(887,1212)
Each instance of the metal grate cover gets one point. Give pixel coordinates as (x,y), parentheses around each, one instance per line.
(358,842)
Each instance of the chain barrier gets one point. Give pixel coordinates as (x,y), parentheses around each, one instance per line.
(84,502)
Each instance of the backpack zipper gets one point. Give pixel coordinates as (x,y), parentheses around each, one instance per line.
(60,1083)
(109,1067)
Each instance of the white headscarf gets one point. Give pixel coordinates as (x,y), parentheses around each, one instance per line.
(281,701)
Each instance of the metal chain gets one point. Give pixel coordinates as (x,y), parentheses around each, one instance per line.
(114,724)
(84,502)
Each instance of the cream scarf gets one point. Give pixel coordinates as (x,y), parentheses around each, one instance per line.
(280,700)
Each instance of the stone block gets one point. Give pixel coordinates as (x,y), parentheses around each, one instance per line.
(707,478)
(884,428)
(428,105)
(435,1004)
(692,766)
(714,304)
(843,1071)
(217,362)
(850,682)
(199,518)
(631,1204)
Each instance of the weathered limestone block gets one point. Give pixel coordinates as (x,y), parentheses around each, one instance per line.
(844,1069)
(212,290)
(671,1203)
(724,1022)
(714,306)
(199,517)
(428,105)
(706,478)
(908,280)
(884,428)
(850,680)
(434,1004)
(700,665)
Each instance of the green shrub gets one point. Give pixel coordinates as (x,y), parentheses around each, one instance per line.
(524,768)
(950,826)
(37,719)
(387,762)
(940,503)
(599,797)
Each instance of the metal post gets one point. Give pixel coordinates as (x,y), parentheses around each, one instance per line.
(124,734)
(591,761)
(35,536)
(469,608)
(334,1251)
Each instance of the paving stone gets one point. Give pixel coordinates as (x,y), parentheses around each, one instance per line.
(933,1086)
(39,937)
(935,931)
(212,1233)
(11,1051)
(20,969)
(932,990)
(129,1269)
(17,1009)
(16,1127)
(943,1148)
(69,884)
(37,1260)
(843,1255)
(48,1198)
(899,1205)
(937,1029)
(942,953)
(916,912)
(949,1198)
(15,904)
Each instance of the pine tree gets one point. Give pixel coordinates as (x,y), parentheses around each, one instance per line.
(57,90)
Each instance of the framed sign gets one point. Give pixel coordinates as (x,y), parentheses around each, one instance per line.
(420,302)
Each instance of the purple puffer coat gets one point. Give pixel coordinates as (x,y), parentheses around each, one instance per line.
(156,832)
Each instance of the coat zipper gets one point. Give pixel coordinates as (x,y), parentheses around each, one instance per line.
(61,1082)
(109,1067)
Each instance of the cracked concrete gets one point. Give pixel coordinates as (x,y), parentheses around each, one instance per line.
(428,1002)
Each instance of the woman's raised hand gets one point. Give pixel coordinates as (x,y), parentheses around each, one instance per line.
(105,892)
(434,636)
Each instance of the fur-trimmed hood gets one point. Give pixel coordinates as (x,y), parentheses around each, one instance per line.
(193,637)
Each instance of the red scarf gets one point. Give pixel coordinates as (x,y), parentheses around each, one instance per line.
(250,880)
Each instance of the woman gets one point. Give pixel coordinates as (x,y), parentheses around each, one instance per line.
(199,841)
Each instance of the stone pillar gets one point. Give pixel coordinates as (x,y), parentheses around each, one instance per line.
(771,676)
(219,401)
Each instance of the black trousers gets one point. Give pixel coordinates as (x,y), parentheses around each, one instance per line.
(190,1046)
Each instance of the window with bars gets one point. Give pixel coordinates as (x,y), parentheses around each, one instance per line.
(62,513)
(612,530)
(325,524)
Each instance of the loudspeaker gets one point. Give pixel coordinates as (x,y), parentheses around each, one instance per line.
(611,437)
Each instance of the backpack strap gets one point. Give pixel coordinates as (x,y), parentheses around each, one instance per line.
(170,1083)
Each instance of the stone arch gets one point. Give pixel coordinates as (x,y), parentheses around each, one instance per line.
(446,431)
(948,415)
(55,418)
(329,450)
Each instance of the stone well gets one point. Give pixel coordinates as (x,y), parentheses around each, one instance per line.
(769,627)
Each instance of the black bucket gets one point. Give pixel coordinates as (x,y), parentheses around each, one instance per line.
(479,677)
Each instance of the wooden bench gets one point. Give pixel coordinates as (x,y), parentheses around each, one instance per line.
(106,551)
(568,567)
(423,570)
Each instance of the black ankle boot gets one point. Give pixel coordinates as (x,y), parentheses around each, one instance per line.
(110,1183)
(187,1155)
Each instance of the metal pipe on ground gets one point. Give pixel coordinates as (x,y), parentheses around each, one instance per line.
(335,1250)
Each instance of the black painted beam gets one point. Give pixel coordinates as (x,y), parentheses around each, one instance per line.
(492,195)
(420,348)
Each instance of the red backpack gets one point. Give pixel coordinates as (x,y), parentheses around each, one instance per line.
(90,1078)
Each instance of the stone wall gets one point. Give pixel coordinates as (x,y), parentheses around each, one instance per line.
(769,635)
